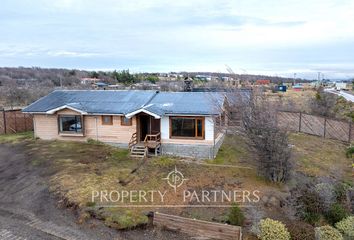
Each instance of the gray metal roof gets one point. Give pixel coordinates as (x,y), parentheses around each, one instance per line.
(188,103)
(127,101)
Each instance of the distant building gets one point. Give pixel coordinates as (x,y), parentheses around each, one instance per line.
(89,80)
(298,87)
(343,86)
(203,77)
(262,82)
(100,85)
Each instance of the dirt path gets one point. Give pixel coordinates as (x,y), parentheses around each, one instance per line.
(28,211)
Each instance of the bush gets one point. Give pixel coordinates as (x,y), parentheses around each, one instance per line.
(301,231)
(309,204)
(346,227)
(336,213)
(273,230)
(327,233)
(350,151)
(236,216)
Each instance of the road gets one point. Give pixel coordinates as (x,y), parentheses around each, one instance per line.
(29,212)
(347,96)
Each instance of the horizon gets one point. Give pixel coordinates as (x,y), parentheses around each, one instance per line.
(252,37)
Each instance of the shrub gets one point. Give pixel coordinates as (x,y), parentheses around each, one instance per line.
(346,226)
(309,204)
(94,142)
(327,233)
(336,213)
(349,152)
(236,216)
(273,230)
(301,231)
(341,190)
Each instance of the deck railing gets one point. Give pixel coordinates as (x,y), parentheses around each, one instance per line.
(133,140)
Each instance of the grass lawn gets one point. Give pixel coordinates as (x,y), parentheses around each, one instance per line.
(16,138)
(77,169)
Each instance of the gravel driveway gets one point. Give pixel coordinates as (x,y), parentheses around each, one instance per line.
(29,211)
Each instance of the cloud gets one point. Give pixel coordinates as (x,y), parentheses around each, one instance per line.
(176,35)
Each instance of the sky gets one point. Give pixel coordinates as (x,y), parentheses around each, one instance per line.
(273,37)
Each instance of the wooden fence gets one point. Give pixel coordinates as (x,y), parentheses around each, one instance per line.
(13,121)
(316,125)
(197,228)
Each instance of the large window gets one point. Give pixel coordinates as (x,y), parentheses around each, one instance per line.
(187,127)
(70,124)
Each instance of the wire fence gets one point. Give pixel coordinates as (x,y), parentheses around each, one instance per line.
(316,125)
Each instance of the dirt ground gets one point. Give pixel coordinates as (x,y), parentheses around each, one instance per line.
(29,211)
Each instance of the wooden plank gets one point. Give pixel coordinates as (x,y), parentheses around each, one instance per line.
(198,228)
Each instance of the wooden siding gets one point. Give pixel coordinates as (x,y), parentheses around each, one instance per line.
(46,127)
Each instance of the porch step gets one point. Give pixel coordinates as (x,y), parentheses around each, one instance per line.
(138,152)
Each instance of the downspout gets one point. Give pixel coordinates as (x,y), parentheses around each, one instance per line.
(213,138)
(96,128)
(34,127)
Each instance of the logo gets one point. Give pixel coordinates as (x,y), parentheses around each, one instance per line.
(175,179)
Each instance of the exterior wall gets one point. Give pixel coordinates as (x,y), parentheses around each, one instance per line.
(209,133)
(191,148)
(46,127)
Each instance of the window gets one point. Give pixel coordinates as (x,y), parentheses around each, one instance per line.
(126,121)
(70,124)
(186,127)
(107,120)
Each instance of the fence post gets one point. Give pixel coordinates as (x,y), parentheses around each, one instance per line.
(15,122)
(4,116)
(350,132)
(300,121)
(324,127)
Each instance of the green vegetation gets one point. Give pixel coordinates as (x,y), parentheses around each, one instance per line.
(15,138)
(336,213)
(124,76)
(236,216)
(233,151)
(272,230)
(327,233)
(346,227)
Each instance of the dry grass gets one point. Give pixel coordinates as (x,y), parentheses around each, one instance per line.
(16,138)
(77,169)
(316,156)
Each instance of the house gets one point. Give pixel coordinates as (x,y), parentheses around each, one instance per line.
(298,87)
(100,85)
(262,82)
(342,86)
(187,124)
(89,80)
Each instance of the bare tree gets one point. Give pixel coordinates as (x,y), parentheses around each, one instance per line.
(259,124)
(323,104)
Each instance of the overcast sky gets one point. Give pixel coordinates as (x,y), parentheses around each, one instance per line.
(275,37)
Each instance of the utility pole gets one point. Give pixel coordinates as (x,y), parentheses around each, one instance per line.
(294,79)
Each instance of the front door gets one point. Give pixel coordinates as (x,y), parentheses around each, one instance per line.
(144,126)
(148,125)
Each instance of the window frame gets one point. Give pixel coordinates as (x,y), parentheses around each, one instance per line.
(110,122)
(71,132)
(122,122)
(196,127)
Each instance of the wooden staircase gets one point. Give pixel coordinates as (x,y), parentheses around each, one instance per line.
(141,150)
(138,151)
